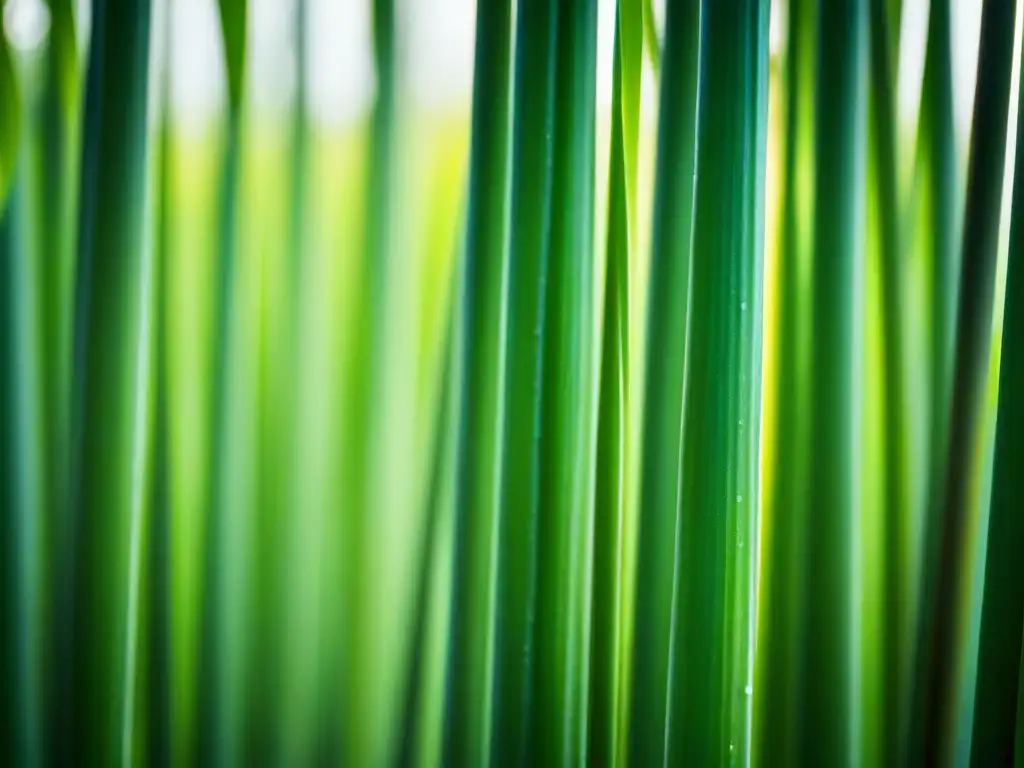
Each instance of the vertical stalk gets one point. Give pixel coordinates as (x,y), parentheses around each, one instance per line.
(830,692)
(610,502)
(782,609)
(884,145)
(467,695)
(943,608)
(111,387)
(565,408)
(222,652)
(1002,612)
(665,361)
(160,504)
(712,625)
(513,741)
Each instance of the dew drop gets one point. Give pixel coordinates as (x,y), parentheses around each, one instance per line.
(749,690)
(739,498)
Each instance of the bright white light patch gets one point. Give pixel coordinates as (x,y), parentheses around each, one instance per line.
(27,23)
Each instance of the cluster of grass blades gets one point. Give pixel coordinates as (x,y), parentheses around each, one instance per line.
(617,426)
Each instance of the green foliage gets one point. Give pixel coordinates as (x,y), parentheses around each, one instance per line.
(403,440)
(10,116)
(110,395)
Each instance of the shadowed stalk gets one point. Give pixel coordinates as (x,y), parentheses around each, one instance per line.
(606,598)
(14,746)
(441,464)
(943,607)
(513,742)
(366,691)
(1002,618)
(556,719)
(222,653)
(884,146)
(828,737)
(665,359)
(10,114)
(481,310)
(21,601)
(59,126)
(779,687)
(58,122)
(937,167)
(159,600)
(709,672)
(111,387)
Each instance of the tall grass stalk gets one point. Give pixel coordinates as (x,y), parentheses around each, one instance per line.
(943,607)
(830,689)
(529,257)
(606,638)
(710,676)
(564,454)
(222,654)
(665,361)
(1002,618)
(884,145)
(481,317)
(111,386)
(779,687)
(21,618)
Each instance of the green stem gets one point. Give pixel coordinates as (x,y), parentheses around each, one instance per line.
(712,625)
(943,608)
(606,598)
(1002,617)
(665,362)
(513,741)
(467,705)
(556,719)
(839,154)
(109,406)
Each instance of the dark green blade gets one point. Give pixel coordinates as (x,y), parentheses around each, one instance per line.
(562,548)
(159,579)
(886,197)
(512,740)
(942,608)
(222,655)
(712,626)
(665,361)
(828,737)
(781,613)
(1002,616)
(467,693)
(110,395)
(609,502)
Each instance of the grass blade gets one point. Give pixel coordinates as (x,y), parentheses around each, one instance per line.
(1002,617)
(109,407)
(884,146)
(782,589)
(222,655)
(935,688)
(529,253)
(10,116)
(828,733)
(556,719)
(663,396)
(159,599)
(711,629)
(21,620)
(467,704)
(609,510)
